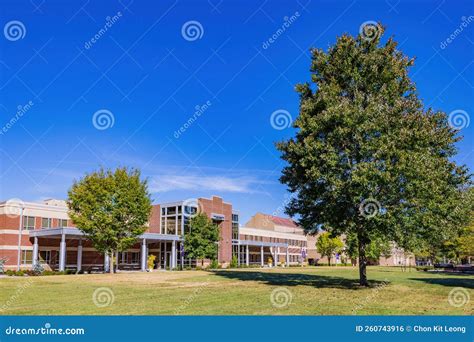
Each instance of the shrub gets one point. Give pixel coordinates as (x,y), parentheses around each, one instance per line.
(214,264)
(424,268)
(234,262)
(10,272)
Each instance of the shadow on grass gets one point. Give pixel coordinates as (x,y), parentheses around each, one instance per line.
(291,279)
(453,282)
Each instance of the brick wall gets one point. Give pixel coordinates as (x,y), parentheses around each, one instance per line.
(217,206)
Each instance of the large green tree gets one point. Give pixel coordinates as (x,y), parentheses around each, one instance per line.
(368,158)
(327,246)
(201,241)
(111,208)
(378,247)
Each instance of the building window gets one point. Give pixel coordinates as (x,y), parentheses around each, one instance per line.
(45,257)
(135,259)
(26,257)
(162,225)
(187,227)
(46,222)
(235,226)
(28,222)
(62,223)
(171,225)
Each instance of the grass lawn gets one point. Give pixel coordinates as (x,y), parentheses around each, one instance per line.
(296,291)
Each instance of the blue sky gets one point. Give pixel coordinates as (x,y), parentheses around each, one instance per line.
(150,74)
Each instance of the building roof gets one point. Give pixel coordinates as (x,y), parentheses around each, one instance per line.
(281,221)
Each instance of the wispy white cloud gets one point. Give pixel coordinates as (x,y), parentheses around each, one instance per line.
(165,183)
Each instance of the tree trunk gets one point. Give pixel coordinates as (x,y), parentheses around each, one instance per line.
(329,260)
(111,263)
(362,261)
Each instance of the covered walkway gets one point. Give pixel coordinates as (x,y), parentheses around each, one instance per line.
(75,239)
(274,248)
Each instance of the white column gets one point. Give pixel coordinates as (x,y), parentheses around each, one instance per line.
(144,255)
(62,253)
(287,258)
(79,255)
(247,255)
(106,262)
(275,259)
(173,254)
(261,256)
(35,252)
(238,254)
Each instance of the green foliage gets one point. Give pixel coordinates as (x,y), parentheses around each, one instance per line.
(214,264)
(201,241)
(378,247)
(19,273)
(234,262)
(111,208)
(466,242)
(364,137)
(327,246)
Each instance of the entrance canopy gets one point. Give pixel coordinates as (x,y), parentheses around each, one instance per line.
(71,231)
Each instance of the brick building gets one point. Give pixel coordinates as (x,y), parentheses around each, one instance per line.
(33,232)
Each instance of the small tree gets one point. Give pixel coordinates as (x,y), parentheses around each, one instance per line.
(201,241)
(111,208)
(327,246)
